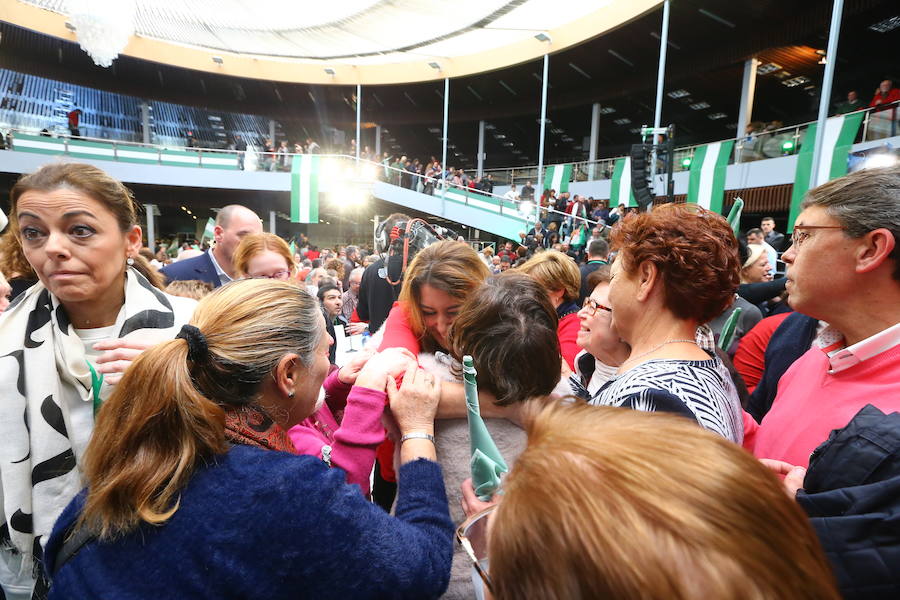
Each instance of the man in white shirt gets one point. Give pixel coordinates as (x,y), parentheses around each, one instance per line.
(511,194)
(756,236)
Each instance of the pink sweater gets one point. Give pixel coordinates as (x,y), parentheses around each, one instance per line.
(811,403)
(353,440)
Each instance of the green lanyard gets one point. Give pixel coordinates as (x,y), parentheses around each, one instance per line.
(96,382)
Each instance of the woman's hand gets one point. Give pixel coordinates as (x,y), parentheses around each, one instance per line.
(389,363)
(415,403)
(120,353)
(349,372)
(793,475)
(470,502)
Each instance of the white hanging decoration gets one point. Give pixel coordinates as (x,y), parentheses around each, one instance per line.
(103,27)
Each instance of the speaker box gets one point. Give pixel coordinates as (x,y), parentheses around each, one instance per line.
(640,185)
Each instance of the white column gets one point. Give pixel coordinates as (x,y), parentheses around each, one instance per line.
(595,133)
(539,184)
(145,121)
(444,141)
(837,11)
(358,119)
(272,132)
(660,80)
(151,226)
(378,141)
(271,221)
(480,171)
(748,90)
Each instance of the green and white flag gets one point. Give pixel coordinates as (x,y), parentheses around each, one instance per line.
(557,177)
(706,186)
(620,192)
(209,231)
(305,188)
(840,132)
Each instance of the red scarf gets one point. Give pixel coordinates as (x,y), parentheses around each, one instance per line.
(250,426)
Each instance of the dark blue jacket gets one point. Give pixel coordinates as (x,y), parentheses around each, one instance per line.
(266,524)
(788,343)
(198,267)
(852,495)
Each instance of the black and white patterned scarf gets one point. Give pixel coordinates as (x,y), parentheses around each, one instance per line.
(44,376)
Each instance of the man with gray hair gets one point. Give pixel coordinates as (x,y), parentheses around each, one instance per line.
(350,299)
(835,408)
(215,266)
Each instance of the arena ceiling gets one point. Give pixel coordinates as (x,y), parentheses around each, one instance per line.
(709,40)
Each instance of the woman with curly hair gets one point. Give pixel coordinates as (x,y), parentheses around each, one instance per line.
(676,269)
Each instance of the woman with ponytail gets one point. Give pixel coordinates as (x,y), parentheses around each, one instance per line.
(64,343)
(195,490)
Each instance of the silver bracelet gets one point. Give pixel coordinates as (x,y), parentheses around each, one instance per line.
(417,435)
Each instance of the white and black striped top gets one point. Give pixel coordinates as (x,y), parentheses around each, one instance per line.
(700,389)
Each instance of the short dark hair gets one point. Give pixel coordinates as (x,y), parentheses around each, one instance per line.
(755,231)
(767,219)
(598,248)
(324,289)
(508,326)
(596,277)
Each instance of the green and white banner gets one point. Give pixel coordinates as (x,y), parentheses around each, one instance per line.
(209,230)
(305,189)
(839,134)
(620,192)
(706,186)
(557,177)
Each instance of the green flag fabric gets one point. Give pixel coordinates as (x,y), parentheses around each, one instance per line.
(209,230)
(840,131)
(729,329)
(734,215)
(706,186)
(557,178)
(487,463)
(620,191)
(305,188)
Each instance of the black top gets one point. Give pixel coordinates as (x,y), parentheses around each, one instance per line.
(376,295)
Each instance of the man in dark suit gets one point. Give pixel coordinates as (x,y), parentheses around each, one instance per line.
(773,238)
(215,266)
(597,256)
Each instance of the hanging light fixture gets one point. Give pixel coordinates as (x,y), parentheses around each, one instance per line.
(103,27)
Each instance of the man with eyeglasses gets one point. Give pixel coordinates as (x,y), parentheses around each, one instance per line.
(843,269)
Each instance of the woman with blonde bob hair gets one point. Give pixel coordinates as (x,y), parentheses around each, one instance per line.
(558,274)
(264,255)
(194,489)
(620,504)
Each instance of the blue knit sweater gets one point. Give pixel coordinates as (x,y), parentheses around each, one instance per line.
(264,524)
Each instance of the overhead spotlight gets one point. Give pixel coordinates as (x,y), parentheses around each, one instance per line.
(218,60)
(69,26)
(542,37)
(329,72)
(435,66)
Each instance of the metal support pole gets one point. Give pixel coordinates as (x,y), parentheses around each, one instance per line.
(271,221)
(825,99)
(480,171)
(272,132)
(660,79)
(151,226)
(358,119)
(444,140)
(378,142)
(745,111)
(539,184)
(145,121)
(595,133)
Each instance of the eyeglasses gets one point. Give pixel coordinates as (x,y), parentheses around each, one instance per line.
(592,305)
(473,536)
(799,235)
(275,275)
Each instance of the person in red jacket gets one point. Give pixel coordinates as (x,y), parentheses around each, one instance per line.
(559,276)
(883,120)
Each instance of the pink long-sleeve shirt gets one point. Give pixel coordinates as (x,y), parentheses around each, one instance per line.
(349,441)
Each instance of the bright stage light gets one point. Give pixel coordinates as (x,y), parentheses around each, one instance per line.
(686,162)
(526,207)
(880,160)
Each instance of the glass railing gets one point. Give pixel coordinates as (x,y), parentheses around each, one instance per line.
(878,123)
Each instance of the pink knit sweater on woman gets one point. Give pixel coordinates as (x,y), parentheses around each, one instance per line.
(345,431)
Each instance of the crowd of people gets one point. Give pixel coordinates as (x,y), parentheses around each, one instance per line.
(678,421)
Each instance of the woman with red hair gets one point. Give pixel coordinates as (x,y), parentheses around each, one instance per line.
(676,270)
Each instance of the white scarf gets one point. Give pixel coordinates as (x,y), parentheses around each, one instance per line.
(43,375)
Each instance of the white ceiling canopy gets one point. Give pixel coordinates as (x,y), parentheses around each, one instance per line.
(349,32)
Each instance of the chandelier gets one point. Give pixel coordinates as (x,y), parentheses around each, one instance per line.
(103,27)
